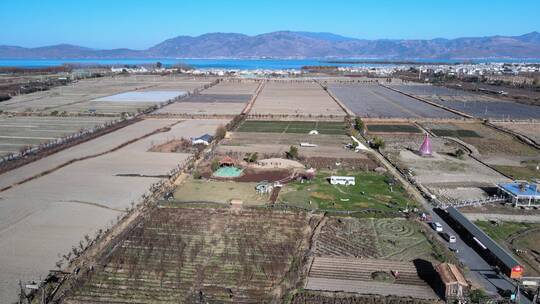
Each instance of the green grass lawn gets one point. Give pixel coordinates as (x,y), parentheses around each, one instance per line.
(370,192)
(393,128)
(292,127)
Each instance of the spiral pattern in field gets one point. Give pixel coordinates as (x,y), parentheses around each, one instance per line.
(394,228)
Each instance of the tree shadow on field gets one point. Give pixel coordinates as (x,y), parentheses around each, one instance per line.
(427,272)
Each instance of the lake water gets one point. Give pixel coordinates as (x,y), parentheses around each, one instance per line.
(240,64)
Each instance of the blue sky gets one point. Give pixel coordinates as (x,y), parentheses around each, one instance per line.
(140,24)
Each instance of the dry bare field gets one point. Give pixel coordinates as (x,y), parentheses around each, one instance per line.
(48,215)
(212,255)
(291,98)
(80,97)
(19,132)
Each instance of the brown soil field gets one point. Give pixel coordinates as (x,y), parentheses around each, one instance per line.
(209,255)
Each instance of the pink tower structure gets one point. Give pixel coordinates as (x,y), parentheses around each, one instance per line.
(425,148)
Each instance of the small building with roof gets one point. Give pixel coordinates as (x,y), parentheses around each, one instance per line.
(226,161)
(453,281)
(205,139)
(521,193)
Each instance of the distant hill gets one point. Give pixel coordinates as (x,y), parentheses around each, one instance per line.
(287,44)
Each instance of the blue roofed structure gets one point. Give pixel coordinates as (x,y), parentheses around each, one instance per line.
(521,193)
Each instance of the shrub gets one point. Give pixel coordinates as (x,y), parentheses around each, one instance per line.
(214,165)
(358,124)
(220,133)
(292,153)
(378,143)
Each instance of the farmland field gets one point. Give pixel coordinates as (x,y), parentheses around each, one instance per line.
(22,131)
(379,102)
(391,239)
(392,128)
(297,99)
(371,192)
(455,133)
(276,144)
(225,98)
(360,276)
(211,255)
(477,105)
(80,97)
(292,127)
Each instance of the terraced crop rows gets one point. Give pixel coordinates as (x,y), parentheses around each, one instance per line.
(186,255)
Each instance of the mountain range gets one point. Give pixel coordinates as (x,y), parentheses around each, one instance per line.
(288,44)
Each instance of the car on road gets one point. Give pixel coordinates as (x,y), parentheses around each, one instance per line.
(453,249)
(448,237)
(436,226)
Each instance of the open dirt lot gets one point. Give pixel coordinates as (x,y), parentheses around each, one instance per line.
(276,144)
(219,192)
(47,215)
(183,255)
(379,102)
(477,105)
(294,98)
(80,97)
(19,132)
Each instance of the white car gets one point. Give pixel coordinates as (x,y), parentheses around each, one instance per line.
(437,226)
